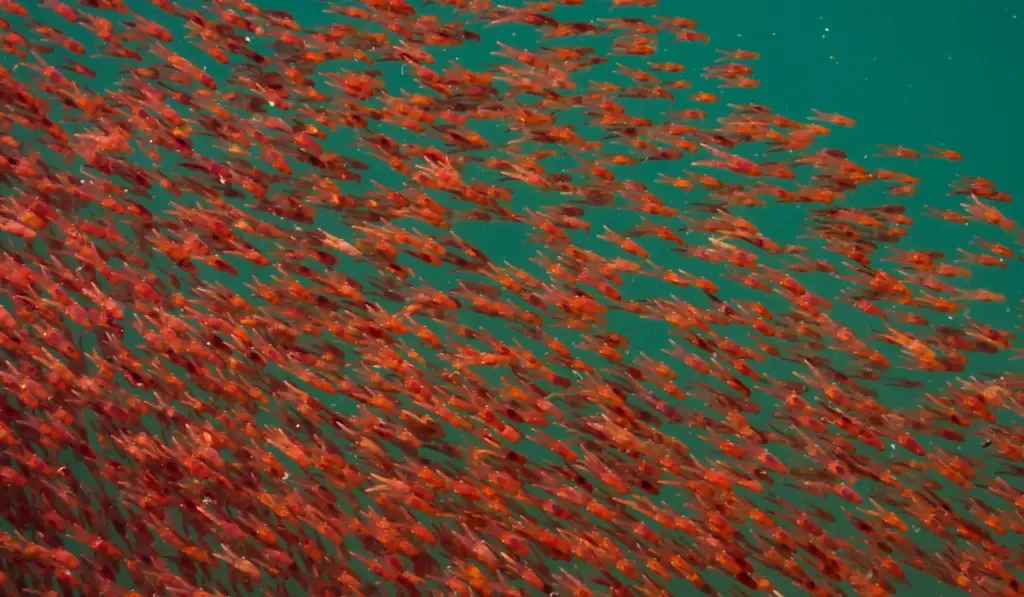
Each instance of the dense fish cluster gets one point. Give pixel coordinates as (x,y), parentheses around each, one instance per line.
(457,298)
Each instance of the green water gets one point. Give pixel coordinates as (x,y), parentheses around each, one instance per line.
(911,74)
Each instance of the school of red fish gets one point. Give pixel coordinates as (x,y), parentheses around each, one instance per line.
(246,352)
